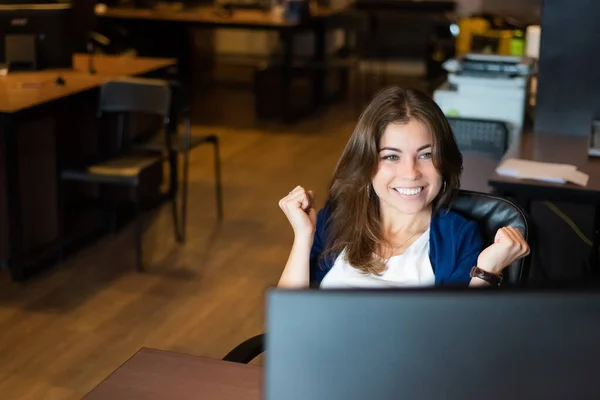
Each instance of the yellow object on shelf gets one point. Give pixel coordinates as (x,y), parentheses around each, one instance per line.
(504,40)
(476,35)
(467,28)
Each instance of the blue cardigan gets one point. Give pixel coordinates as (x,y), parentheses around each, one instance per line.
(454,245)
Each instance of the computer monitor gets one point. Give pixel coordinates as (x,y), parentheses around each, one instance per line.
(432,344)
(35,36)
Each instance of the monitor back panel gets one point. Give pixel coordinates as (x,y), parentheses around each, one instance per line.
(347,345)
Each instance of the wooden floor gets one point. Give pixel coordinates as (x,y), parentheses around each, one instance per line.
(64,332)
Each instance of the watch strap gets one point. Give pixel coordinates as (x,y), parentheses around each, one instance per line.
(492,279)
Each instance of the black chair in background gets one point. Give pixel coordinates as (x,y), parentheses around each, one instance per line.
(483,136)
(117,164)
(124,162)
(483,143)
(491,212)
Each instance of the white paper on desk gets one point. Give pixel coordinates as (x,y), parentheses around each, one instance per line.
(579,178)
(548,172)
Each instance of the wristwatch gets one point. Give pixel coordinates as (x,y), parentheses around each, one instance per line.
(492,279)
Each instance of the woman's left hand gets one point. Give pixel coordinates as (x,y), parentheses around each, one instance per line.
(509,245)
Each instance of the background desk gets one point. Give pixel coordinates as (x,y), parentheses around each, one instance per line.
(173,26)
(26,90)
(211,16)
(160,375)
(33,110)
(555,149)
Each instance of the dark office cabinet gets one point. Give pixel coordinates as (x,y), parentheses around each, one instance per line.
(568,93)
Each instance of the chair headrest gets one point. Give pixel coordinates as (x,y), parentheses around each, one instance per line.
(136,95)
(492,213)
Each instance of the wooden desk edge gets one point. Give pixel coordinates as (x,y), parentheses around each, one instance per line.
(524,144)
(148,351)
(99,78)
(113,373)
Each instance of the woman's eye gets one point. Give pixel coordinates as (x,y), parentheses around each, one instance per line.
(391,157)
(425,156)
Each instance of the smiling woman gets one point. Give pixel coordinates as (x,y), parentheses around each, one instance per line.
(388,218)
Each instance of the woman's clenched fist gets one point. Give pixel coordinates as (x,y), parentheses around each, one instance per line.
(509,245)
(299,208)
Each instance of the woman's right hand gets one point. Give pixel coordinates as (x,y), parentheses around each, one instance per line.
(299,208)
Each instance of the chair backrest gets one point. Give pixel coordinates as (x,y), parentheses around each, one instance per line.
(480,135)
(492,213)
(140,102)
(129,95)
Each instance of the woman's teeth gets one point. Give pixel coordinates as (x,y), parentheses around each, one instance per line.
(409,192)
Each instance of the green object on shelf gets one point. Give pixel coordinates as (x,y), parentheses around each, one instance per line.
(517,43)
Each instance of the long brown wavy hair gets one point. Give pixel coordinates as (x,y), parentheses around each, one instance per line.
(354,224)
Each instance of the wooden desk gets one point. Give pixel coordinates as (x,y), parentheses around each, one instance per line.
(25,90)
(555,149)
(144,21)
(28,97)
(211,16)
(156,375)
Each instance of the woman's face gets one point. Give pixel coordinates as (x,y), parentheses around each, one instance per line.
(406,179)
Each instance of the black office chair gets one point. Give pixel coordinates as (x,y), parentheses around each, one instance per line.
(491,212)
(485,136)
(117,164)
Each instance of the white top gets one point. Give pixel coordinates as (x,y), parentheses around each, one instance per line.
(409,269)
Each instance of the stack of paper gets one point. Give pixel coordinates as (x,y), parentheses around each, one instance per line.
(549,172)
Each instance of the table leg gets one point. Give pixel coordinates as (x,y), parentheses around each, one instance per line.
(287,43)
(172,194)
(320,59)
(593,259)
(15,220)
(172,128)
(184,59)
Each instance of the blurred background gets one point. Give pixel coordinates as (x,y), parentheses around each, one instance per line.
(144,213)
